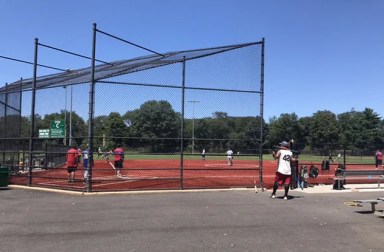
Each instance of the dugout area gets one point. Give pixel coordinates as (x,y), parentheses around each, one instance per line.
(197,88)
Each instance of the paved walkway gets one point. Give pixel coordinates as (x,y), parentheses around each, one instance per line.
(313,219)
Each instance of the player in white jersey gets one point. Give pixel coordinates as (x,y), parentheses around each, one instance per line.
(230,157)
(283,173)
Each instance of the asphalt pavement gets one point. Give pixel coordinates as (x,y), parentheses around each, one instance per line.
(314,219)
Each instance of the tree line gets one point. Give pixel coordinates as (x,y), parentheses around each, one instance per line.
(156,127)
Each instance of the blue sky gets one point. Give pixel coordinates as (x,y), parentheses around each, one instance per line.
(320,55)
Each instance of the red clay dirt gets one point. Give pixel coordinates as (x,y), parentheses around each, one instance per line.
(166,174)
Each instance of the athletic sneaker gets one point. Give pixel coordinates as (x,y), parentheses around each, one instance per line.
(273,196)
(285,197)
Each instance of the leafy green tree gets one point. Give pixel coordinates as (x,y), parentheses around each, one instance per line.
(157,124)
(234,141)
(79,130)
(219,131)
(25,127)
(371,133)
(324,130)
(380,141)
(350,128)
(99,131)
(362,130)
(250,126)
(286,127)
(202,131)
(115,130)
(303,137)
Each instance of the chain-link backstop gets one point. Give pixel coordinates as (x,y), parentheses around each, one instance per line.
(175,115)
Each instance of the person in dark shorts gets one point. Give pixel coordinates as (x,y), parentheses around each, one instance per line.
(203,155)
(118,153)
(378,159)
(72,161)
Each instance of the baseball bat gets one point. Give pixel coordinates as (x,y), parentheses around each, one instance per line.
(112,165)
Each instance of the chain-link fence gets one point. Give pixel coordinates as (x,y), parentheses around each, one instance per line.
(10,124)
(186,119)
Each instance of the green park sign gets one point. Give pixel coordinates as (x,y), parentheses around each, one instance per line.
(58,129)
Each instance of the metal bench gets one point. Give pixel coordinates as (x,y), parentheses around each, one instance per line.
(358,175)
(373,205)
(372,202)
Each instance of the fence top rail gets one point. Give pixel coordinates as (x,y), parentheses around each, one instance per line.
(120,67)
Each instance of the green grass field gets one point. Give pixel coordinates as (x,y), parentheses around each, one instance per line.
(220,156)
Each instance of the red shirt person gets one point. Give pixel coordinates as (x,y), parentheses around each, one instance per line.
(118,153)
(72,160)
(379,158)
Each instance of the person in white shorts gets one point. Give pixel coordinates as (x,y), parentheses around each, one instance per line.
(230,157)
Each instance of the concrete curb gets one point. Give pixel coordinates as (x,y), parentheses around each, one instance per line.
(127,192)
(309,190)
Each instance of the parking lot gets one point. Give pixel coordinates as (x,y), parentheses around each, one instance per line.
(315,219)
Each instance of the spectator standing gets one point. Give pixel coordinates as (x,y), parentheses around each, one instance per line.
(119,159)
(378,158)
(72,161)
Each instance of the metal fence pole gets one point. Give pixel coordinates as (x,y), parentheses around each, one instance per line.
(65,115)
(261,115)
(32,114)
(70,116)
(5,122)
(20,123)
(91,113)
(182,128)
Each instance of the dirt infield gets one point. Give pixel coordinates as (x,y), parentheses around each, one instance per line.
(167,174)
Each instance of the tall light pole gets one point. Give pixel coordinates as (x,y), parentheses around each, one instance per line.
(193,124)
(70,120)
(70,115)
(65,116)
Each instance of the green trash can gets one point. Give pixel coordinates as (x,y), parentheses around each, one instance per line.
(3,176)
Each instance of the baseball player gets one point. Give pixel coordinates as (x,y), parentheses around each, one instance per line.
(230,157)
(283,174)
